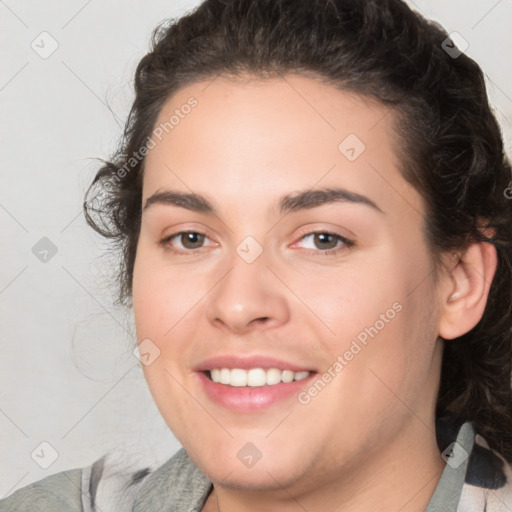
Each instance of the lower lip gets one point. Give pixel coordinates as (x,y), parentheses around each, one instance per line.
(251,399)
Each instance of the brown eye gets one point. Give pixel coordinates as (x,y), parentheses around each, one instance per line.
(325,240)
(191,239)
(184,242)
(325,243)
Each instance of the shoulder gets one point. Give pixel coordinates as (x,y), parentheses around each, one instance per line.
(58,493)
(114,483)
(488,481)
(111,479)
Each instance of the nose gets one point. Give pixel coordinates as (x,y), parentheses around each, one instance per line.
(248,297)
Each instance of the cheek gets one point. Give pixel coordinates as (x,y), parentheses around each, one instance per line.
(392,368)
(381,321)
(160,304)
(344,301)
(162,296)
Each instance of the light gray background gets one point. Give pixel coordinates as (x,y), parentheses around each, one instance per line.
(68,376)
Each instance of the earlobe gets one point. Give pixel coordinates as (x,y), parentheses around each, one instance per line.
(463,303)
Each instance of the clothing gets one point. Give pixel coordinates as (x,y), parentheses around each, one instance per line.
(475,479)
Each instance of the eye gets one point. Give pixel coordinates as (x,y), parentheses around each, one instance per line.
(327,242)
(186,241)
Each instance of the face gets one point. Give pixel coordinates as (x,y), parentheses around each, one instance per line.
(281,255)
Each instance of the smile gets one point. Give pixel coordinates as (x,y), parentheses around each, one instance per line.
(254,377)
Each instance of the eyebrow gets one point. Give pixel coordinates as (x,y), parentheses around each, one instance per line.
(292,202)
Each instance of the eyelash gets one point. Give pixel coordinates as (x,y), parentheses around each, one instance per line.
(347,244)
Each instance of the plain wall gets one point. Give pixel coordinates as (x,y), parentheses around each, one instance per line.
(67,373)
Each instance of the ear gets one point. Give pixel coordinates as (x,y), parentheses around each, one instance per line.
(464,298)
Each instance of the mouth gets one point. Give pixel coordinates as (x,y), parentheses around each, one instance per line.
(251,384)
(254,377)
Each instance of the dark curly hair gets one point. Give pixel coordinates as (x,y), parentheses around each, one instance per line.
(451,148)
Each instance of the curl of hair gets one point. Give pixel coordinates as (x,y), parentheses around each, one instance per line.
(450,148)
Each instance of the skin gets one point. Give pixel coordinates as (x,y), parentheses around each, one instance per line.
(367,440)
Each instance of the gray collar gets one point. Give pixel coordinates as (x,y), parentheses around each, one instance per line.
(446,496)
(176,486)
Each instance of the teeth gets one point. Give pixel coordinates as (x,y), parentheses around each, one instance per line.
(273,376)
(255,377)
(287,376)
(225,376)
(238,378)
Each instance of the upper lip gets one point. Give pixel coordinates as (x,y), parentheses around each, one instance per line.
(248,362)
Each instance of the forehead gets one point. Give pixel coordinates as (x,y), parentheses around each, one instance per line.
(256,135)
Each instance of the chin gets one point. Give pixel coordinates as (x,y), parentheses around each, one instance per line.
(269,472)
(255,479)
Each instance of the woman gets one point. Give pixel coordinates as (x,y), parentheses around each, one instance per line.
(369,374)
